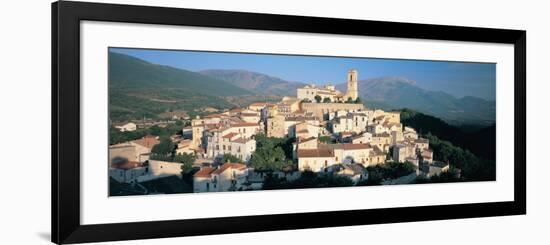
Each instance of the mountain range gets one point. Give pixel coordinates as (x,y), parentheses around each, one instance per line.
(164,88)
(397,92)
(256,82)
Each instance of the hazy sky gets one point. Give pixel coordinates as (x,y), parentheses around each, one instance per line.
(456,78)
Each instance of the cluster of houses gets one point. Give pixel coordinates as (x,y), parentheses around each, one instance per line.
(335,137)
(129,162)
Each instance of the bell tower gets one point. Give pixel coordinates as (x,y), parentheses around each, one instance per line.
(353,91)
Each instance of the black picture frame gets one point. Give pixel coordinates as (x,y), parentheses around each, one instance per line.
(66,18)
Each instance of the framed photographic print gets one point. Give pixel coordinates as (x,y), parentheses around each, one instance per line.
(177,122)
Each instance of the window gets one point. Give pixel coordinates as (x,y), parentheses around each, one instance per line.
(224,147)
(217,147)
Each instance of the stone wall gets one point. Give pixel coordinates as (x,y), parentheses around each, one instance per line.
(320,109)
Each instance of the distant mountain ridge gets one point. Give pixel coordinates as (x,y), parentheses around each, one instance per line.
(397,92)
(255,82)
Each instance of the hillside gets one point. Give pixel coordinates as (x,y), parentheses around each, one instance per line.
(481,142)
(397,92)
(127,72)
(256,82)
(141,89)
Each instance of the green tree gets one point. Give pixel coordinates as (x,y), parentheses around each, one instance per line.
(389,170)
(185,158)
(326,139)
(115,136)
(164,148)
(230,158)
(326,100)
(473,168)
(349,100)
(318,98)
(358,100)
(308,179)
(268,159)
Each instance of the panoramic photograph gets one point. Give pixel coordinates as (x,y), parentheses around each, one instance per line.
(183,121)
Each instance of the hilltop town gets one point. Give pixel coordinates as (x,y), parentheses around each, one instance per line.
(321,138)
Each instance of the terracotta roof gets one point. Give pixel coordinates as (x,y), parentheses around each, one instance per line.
(346,133)
(249,115)
(244,124)
(356,146)
(230,135)
(126,165)
(241,140)
(225,166)
(205,172)
(148,141)
(315,153)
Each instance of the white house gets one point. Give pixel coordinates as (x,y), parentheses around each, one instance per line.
(403,152)
(356,172)
(363,138)
(184,146)
(128,127)
(227,177)
(231,143)
(316,160)
(126,171)
(160,169)
(351,122)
